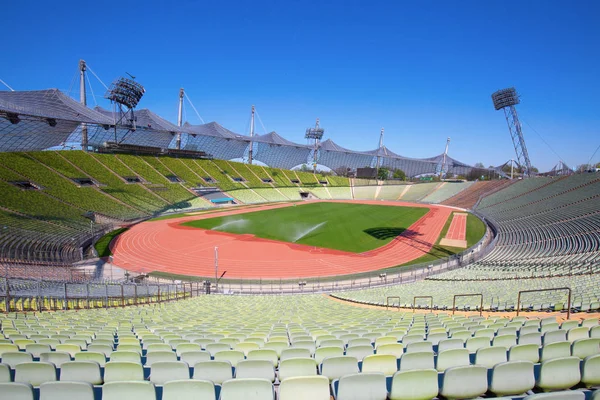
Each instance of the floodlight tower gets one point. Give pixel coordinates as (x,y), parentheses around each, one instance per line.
(251,136)
(506,99)
(380,146)
(83,100)
(180,118)
(124,94)
(315,133)
(444,158)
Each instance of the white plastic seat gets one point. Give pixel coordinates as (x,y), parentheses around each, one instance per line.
(165,371)
(12,358)
(293,367)
(293,352)
(262,369)
(590,371)
(512,378)
(336,367)
(81,371)
(128,390)
(5,373)
(418,384)
(215,371)
(361,352)
(583,348)
(16,391)
(448,344)
(127,356)
(66,391)
(35,373)
(363,386)
(419,360)
(524,352)
(248,389)
(559,374)
(384,363)
(160,356)
(565,395)
(189,389)
(395,349)
(490,356)
(119,371)
(304,388)
(555,350)
(464,382)
(452,358)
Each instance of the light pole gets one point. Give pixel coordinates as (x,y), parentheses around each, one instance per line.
(216,269)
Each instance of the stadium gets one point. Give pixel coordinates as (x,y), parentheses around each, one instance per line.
(178,261)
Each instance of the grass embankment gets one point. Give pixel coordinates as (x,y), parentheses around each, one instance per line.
(349,227)
(475,231)
(101,245)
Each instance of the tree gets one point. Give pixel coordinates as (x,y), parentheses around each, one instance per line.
(383,174)
(304,168)
(479,165)
(399,174)
(583,167)
(342,171)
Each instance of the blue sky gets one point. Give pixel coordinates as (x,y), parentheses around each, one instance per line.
(422,70)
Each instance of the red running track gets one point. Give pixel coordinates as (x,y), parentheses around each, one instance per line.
(458,227)
(168,247)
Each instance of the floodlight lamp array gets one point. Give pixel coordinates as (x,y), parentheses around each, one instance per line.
(126,92)
(505,98)
(314,133)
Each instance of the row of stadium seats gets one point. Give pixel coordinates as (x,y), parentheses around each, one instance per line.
(330,347)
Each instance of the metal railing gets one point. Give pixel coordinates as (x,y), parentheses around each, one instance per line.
(37,295)
(480,295)
(546,290)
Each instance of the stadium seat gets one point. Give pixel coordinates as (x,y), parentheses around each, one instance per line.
(262,369)
(81,371)
(294,367)
(558,374)
(512,378)
(555,350)
(12,358)
(4,373)
(418,384)
(590,371)
(128,389)
(294,353)
(304,388)
(585,347)
(248,388)
(165,371)
(451,358)
(66,391)
(565,395)
(363,386)
(91,356)
(35,373)
(336,367)
(189,390)
(123,371)
(159,356)
(16,391)
(324,352)
(215,371)
(464,382)
(384,363)
(490,356)
(524,352)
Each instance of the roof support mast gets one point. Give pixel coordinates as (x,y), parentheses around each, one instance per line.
(83,100)
(444,159)
(380,146)
(180,118)
(251,135)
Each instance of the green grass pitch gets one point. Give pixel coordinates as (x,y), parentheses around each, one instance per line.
(342,226)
